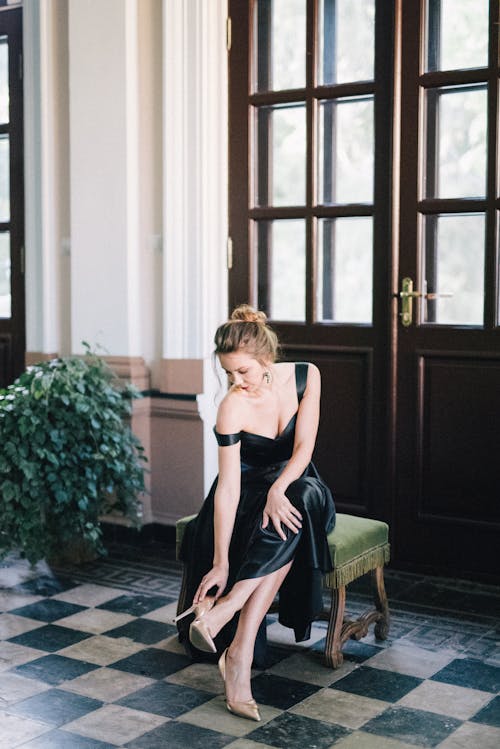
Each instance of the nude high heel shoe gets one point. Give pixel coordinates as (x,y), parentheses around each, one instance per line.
(243,709)
(200,636)
(198,609)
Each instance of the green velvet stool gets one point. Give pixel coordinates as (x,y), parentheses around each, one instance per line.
(357,546)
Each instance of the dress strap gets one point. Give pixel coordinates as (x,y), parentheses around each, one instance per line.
(301,369)
(224,440)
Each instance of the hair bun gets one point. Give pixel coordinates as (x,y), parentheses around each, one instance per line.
(246,313)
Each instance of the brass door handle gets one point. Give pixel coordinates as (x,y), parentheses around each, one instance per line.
(407,295)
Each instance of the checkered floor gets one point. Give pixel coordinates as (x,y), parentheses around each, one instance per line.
(89,660)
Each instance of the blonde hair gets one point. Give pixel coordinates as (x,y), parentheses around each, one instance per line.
(247,329)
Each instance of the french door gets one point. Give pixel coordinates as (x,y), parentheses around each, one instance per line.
(364,207)
(12,307)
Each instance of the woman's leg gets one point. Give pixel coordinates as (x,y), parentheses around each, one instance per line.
(235,600)
(240,652)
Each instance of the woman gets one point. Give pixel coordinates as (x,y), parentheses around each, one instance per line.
(264,524)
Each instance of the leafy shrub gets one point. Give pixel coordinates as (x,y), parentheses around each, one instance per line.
(67,456)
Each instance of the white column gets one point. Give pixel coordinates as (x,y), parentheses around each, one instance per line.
(195,168)
(105,253)
(195,200)
(46,175)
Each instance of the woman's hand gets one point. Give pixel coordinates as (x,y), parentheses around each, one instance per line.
(215,578)
(280,510)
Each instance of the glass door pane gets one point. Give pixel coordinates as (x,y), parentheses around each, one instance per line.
(454,269)
(457,34)
(4,80)
(281,44)
(456,142)
(345,270)
(280,134)
(346,151)
(4,178)
(346,36)
(281,263)
(5,289)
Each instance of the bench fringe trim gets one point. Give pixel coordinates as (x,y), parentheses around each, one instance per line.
(376,557)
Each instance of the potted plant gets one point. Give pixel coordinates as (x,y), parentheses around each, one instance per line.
(67,457)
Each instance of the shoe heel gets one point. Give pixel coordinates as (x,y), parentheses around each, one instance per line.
(188,611)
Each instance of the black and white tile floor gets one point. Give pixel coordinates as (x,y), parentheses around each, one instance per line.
(89,659)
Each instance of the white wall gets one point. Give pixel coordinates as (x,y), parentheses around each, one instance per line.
(126,184)
(104,174)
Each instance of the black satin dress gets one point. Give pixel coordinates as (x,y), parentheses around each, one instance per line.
(255,551)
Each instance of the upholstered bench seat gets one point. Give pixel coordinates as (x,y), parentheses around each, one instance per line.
(357,546)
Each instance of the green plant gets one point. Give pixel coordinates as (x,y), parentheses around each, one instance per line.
(67,456)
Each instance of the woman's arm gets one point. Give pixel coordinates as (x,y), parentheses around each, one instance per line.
(278,508)
(226,500)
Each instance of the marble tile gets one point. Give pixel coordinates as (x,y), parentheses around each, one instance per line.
(199,676)
(153,662)
(280,635)
(115,724)
(135,604)
(14,688)
(142,630)
(16,573)
(467,672)
(106,684)
(309,667)
(89,594)
(412,726)
(101,650)
(50,637)
(164,614)
(278,692)
(361,740)
(12,655)
(176,735)
(377,684)
(289,731)
(342,708)
(55,707)
(446,699)
(274,654)
(171,644)
(95,621)
(347,667)
(12,600)
(54,669)
(411,660)
(170,700)
(48,610)
(470,735)
(61,739)
(247,744)
(215,715)
(47,585)
(490,714)
(12,625)
(357,651)
(16,730)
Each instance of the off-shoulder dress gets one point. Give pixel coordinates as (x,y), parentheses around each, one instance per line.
(255,551)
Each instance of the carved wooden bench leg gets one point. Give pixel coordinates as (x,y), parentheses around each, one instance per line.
(333,647)
(381,628)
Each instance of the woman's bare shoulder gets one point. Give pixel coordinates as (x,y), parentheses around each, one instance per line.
(285,371)
(230,413)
